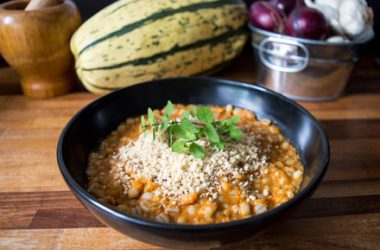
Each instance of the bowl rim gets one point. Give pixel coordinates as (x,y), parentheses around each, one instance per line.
(299,196)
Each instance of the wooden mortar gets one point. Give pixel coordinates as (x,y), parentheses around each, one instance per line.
(36,44)
(38,4)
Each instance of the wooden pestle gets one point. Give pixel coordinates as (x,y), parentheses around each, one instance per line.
(35,42)
(38,4)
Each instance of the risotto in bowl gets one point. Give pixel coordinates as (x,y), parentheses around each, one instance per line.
(192,161)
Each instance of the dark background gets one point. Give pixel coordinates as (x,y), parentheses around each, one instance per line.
(90,7)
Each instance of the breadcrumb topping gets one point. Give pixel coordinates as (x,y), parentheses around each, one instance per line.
(182,174)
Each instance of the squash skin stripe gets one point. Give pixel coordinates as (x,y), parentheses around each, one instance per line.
(157,16)
(103,87)
(120,7)
(207,72)
(175,49)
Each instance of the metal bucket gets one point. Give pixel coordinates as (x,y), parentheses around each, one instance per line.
(304,69)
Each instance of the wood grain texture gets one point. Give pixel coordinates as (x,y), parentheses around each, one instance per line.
(37,210)
(339,232)
(43,210)
(9,80)
(89,238)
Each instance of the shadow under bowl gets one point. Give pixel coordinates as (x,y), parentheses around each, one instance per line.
(94,122)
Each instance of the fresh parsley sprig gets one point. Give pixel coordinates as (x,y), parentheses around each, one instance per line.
(199,123)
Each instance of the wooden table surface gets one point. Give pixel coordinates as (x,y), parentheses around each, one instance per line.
(37,210)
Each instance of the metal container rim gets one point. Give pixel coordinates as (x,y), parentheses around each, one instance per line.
(307,41)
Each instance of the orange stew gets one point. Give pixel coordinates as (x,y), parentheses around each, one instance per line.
(241,182)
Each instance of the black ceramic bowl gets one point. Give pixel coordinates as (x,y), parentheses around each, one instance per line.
(94,122)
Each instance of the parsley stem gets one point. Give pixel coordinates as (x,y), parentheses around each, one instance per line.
(198,124)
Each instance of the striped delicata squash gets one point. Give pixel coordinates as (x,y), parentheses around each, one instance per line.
(132,41)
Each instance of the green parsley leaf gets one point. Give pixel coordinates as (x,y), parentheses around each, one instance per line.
(188,125)
(169,109)
(233,120)
(219,145)
(197,150)
(194,111)
(164,123)
(170,135)
(186,114)
(155,130)
(211,133)
(235,133)
(205,114)
(223,130)
(185,130)
(151,120)
(182,135)
(179,146)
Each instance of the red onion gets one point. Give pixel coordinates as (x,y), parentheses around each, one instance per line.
(287,5)
(305,22)
(265,16)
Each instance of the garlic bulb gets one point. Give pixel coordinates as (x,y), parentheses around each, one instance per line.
(331,3)
(354,16)
(337,39)
(347,17)
(365,35)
